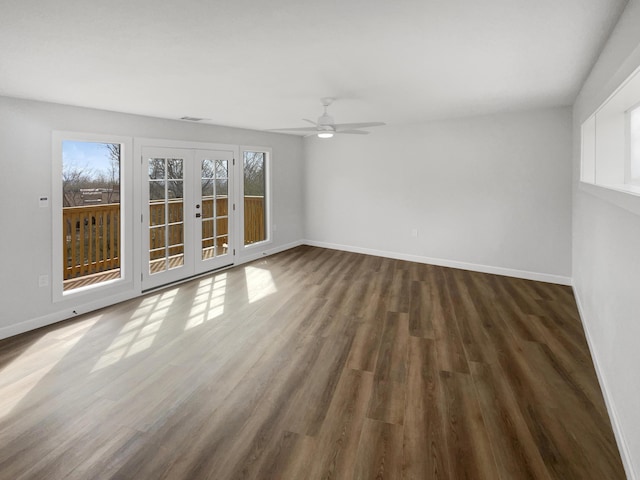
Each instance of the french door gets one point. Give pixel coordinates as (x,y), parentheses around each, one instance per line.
(187,213)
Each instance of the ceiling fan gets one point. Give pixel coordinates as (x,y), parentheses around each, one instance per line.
(325,127)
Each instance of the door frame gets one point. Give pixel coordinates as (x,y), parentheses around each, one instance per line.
(139,143)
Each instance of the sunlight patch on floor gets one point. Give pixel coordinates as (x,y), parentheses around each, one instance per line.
(36,362)
(138,334)
(260,283)
(208,302)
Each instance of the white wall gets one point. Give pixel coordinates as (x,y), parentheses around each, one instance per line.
(488,193)
(25,229)
(606,253)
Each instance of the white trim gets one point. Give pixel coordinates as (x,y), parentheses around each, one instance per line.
(68,312)
(615,134)
(626,199)
(65,314)
(613,415)
(617,90)
(474,267)
(168,143)
(267,197)
(271,251)
(629,179)
(58,296)
(190,150)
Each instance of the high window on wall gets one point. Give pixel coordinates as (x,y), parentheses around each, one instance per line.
(634,146)
(610,153)
(255,165)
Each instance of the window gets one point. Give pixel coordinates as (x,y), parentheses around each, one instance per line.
(91,216)
(610,154)
(90,213)
(634,146)
(255,176)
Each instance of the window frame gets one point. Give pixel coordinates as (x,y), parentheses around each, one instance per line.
(268,224)
(605,140)
(629,179)
(98,290)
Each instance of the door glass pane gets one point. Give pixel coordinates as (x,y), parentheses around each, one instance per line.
(221,169)
(222,187)
(207,187)
(207,208)
(156,169)
(157,239)
(157,257)
(208,168)
(207,230)
(176,211)
(174,168)
(222,245)
(221,225)
(176,234)
(157,212)
(157,190)
(174,189)
(254,168)
(222,206)
(176,257)
(92,239)
(166,214)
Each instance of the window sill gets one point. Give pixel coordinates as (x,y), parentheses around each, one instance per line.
(622,195)
(257,245)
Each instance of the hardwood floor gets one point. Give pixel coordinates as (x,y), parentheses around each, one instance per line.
(312,364)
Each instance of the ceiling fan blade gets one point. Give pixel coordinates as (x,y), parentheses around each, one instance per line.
(347,126)
(310,121)
(302,129)
(356,132)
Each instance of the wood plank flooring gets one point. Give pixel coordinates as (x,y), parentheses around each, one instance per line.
(312,364)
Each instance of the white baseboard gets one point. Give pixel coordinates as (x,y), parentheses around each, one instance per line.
(613,415)
(474,267)
(258,253)
(55,317)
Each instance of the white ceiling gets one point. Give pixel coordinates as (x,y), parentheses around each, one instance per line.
(265,64)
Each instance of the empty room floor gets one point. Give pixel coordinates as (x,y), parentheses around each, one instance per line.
(310,364)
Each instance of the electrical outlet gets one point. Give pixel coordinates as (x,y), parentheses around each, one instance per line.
(43,280)
(414,232)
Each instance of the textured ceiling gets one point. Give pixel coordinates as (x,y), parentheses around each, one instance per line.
(265,64)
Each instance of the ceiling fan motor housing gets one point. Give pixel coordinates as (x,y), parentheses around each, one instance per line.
(325,120)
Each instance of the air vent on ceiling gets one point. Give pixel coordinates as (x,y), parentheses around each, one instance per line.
(192,119)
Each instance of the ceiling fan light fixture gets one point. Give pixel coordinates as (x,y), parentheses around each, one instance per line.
(326,127)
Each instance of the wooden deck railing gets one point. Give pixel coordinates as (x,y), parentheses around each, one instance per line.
(254,227)
(91,239)
(91,234)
